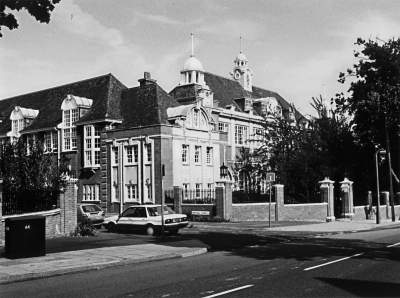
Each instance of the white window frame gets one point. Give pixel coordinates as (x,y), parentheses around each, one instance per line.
(241,134)
(132,154)
(132,192)
(185,154)
(186,188)
(198,190)
(149,152)
(92,145)
(197,154)
(209,155)
(51,140)
(223,126)
(91,193)
(69,142)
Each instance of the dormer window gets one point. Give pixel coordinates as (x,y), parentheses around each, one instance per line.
(73,108)
(18,125)
(248,104)
(20,119)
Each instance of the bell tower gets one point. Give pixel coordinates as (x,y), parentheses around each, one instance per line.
(241,71)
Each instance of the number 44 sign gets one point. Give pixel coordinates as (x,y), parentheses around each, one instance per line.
(270,177)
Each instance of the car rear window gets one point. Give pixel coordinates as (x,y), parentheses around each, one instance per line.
(154,211)
(91,208)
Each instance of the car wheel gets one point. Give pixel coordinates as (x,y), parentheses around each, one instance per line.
(150,230)
(174,232)
(112,227)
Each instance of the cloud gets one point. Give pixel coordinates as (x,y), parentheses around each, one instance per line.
(234,27)
(72,19)
(158,19)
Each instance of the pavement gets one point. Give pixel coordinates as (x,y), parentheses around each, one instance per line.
(69,255)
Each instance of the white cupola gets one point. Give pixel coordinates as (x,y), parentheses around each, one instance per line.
(193,72)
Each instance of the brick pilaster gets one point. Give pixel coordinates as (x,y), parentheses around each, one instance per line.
(68,205)
(177,199)
(347,198)
(327,196)
(279,201)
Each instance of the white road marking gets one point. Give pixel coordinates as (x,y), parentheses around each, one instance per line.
(310,268)
(393,244)
(230,291)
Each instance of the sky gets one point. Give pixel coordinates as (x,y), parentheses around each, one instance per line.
(295,48)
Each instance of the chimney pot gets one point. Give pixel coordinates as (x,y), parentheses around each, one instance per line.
(147,80)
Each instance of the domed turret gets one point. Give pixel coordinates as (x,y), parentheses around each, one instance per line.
(193,64)
(241,57)
(192,72)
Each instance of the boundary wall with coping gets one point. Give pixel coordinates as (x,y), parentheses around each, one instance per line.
(60,221)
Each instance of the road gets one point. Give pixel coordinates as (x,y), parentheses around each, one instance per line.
(247,264)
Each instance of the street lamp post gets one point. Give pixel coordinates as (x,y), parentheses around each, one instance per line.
(382,153)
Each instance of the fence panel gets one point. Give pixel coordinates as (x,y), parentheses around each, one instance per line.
(27,200)
(198,196)
(248,197)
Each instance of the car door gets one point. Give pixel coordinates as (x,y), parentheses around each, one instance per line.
(139,218)
(124,221)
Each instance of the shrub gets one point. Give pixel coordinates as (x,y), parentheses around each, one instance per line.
(84,228)
(207,218)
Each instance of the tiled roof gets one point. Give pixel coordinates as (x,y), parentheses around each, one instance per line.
(226,90)
(145,105)
(184,92)
(103,90)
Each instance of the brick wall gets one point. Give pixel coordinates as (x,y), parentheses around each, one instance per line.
(364,212)
(253,212)
(317,212)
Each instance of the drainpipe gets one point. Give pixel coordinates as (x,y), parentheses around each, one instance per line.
(121,176)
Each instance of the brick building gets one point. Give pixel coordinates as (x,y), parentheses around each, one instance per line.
(118,138)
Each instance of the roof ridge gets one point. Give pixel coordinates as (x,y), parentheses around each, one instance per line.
(47,89)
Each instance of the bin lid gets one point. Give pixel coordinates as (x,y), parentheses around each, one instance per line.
(24,218)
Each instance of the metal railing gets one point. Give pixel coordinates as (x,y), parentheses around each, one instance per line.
(198,196)
(18,201)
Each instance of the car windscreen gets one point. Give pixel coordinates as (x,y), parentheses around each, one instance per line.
(91,208)
(154,211)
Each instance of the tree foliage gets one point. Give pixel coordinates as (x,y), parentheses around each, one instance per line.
(39,9)
(375,92)
(29,166)
(301,156)
(374,99)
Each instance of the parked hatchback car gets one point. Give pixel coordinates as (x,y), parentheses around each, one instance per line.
(146,218)
(92,211)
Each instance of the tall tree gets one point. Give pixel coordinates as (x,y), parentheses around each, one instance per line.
(303,155)
(39,9)
(374,100)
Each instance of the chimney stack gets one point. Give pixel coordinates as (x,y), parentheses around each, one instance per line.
(147,80)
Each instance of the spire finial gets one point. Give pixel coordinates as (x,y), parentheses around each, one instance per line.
(192,45)
(240,43)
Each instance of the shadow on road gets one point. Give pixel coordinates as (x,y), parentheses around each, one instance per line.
(299,247)
(364,288)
